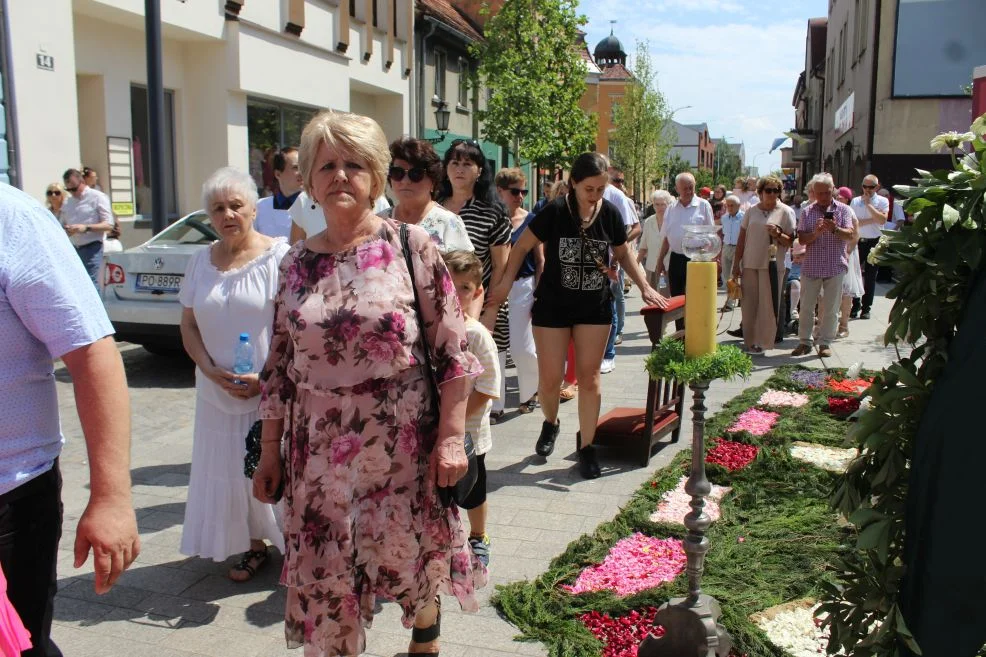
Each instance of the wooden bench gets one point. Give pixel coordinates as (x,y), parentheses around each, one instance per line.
(640,429)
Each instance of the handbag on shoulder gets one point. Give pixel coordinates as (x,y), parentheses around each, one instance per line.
(447,494)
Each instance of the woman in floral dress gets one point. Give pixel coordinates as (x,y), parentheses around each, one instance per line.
(345,388)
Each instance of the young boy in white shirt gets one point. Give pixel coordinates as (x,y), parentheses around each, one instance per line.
(467,276)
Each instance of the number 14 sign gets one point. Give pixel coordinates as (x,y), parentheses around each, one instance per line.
(46,62)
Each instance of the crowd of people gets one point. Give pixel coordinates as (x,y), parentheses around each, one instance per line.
(85,213)
(352,319)
(380,336)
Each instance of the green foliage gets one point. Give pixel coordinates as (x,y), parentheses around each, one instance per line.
(644,133)
(778,506)
(668,360)
(728,165)
(530,63)
(936,259)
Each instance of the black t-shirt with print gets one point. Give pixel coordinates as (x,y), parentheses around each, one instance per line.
(570,272)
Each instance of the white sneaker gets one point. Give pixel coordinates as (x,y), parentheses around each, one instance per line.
(608,365)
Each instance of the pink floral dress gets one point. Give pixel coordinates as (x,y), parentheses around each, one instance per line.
(345,373)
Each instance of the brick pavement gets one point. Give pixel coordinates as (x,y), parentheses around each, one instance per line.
(181,607)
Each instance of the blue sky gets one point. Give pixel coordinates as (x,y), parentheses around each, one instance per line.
(736,63)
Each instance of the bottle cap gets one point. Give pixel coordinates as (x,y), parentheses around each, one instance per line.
(244,337)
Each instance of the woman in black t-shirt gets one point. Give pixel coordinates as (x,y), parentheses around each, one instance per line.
(583,237)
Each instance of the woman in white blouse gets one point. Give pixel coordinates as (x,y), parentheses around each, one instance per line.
(652,236)
(228,290)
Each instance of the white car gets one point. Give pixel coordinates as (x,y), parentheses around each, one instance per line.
(141,284)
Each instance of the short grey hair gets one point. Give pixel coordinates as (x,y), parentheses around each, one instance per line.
(822,179)
(229,180)
(684,174)
(663,195)
(732,198)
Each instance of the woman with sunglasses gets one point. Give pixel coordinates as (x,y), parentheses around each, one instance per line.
(573,297)
(54,198)
(511,185)
(766,233)
(468,192)
(414,175)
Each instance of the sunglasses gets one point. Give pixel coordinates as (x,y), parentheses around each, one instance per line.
(517,192)
(869,186)
(414,174)
(772,190)
(467,142)
(619,181)
(53,192)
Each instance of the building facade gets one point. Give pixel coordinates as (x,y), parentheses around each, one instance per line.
(693,145)
(808,101)
(889,89)
(607,78)
(240,81)
(445,78)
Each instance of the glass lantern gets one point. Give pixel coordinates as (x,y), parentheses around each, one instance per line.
(701,243)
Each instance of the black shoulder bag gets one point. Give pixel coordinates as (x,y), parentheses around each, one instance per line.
(447,494)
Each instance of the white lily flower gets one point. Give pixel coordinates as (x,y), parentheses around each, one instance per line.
(979,127)
(951,140)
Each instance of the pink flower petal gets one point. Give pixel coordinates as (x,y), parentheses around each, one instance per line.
(634,564)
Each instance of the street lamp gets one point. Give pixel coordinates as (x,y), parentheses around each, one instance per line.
(717,168)
(441,122)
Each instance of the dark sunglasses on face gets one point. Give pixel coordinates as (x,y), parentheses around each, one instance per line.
(414,174)
(516,191)
(869,186)
(53,192)
(771,190)
(618,181)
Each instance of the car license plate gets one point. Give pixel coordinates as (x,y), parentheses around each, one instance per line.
(159,283)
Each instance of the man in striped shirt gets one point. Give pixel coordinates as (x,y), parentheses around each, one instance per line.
(824,229)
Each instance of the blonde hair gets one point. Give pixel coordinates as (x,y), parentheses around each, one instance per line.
(560,188)
(507,177)
(769,180)
(354,134)
(59,187)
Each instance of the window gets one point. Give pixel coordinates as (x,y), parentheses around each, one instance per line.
(862,27)
(440,64)
(140,127)
(829,80)
(937,67)
(842,52)
(271,126)
(463,92)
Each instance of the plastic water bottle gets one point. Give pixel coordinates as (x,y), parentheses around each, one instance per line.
(662,284)
(243,357)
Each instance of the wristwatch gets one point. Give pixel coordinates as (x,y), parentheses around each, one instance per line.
(86,229)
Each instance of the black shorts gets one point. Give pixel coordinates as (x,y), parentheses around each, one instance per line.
(477,496)
(547,313)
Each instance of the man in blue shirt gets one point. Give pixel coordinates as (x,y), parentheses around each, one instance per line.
(49,309)
(731,221)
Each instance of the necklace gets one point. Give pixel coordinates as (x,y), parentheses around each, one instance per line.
(586,221)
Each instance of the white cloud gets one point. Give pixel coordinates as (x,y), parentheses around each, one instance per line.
(736,70)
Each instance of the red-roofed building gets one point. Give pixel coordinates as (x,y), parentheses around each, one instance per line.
(607,78)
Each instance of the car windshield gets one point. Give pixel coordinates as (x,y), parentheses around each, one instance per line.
(194,229)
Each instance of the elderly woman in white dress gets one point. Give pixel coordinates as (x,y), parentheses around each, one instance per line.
(228,290)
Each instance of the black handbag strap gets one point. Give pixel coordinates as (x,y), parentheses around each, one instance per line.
(406,247)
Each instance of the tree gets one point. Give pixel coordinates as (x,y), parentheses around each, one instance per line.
(728,165)
(530,64)
(643,135)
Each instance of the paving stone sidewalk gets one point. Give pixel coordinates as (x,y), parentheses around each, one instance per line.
(168,605)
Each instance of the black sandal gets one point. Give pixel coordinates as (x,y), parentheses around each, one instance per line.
(428,634)
(247,566)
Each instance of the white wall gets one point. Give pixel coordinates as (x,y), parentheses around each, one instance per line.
(47,113)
